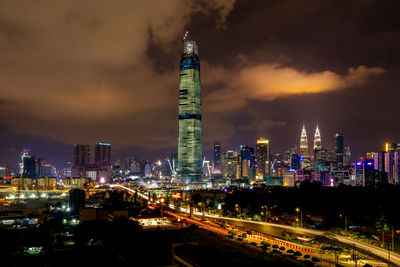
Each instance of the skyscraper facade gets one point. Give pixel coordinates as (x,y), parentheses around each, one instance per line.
(29,170)
(229,164)
(317,140)
(347,156)
(262,156)
(303,143)
(217,157)
(190,149)
(81,155)
(339,149)
(25,153)
(246,156)
(102,155)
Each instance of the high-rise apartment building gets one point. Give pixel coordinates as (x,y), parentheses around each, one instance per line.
(347,156)
(217,157)
(76,200)
(81,155)
(246,158)
(229,164)
(262,157)
(190,151)
(29,167)
(102,155)
(339,149)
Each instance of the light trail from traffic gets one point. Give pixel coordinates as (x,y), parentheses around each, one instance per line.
(200,223)
(129,190)
(380,252)
(394,257)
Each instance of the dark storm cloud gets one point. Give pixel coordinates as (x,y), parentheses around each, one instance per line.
(79,71)
(99,70)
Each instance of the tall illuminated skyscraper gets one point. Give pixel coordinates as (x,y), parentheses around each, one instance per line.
(262,155)
(317,140)
(303,143)
(229,161)
(190,149)
(246,154)
(217,157)
(339,149)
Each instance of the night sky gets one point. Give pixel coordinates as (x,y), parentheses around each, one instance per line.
(87,71)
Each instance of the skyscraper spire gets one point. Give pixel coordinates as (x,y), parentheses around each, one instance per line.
(303,142)
(317,140)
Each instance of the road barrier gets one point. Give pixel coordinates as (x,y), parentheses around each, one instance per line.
(259,237)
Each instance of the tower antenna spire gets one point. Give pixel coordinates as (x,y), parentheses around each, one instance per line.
(185,35)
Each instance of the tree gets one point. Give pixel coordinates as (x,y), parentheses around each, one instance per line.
(336,250)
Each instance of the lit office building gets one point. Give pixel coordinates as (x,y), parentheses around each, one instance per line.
(317,140)
(347,156)
(102,156)
(303,143)
(246,154)
(190,149)
(217,158)
(29,167)
(229,164)
(262,157)
(81,155)
(339,149)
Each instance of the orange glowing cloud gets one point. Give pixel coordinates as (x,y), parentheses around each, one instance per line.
(270,81)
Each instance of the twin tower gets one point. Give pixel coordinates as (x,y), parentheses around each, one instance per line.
(304,142)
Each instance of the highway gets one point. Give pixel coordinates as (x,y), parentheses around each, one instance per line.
(276,230)
(273,228)
(121,187)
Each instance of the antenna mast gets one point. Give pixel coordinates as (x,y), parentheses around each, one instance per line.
(185,35)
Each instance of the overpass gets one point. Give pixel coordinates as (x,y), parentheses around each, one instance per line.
(392,257)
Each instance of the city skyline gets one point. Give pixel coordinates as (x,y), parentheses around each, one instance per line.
(119,148)
(47,126)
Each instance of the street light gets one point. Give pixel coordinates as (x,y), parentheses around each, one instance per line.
(265,207)
(162,200)
(345,222)
(298,210)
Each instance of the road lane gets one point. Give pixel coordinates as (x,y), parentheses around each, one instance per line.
(271,228)
(394,258)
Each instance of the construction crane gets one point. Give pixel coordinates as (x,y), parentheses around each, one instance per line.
(172,168)
(272,165)
(207,163)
